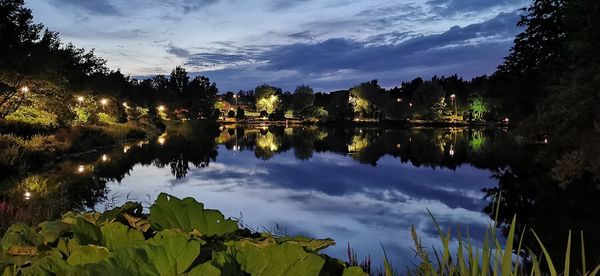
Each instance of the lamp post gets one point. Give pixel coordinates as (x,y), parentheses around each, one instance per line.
(236,100)
(453,97)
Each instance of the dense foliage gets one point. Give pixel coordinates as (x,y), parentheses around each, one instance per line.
(177,237)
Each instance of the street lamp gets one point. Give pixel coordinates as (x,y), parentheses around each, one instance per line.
(80,99)
(104,102)
(161,108)
(27,195)
(126,105)
(24,89)
(236,100)
(453,96)
(399,100)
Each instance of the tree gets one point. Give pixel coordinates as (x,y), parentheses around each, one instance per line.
(367,98)
(200,96)
(231,114)
(267,98)
(240,115)
(178,80)
(478,108)
(303,98)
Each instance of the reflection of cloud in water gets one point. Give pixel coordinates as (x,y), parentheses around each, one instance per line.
(326,197)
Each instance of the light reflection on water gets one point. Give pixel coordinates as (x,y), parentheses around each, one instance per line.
(327,194)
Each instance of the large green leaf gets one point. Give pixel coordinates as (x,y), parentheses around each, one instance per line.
(86,232)
(267,257)
(131,208)
(173,253)
(52,230)
(116,235)
(205,269)
(20,236)
(314,245)
(168,253)
(354,271)
(49,265)
(169,212)
(88,254)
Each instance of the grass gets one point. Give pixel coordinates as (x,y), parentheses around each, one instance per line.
(491,257)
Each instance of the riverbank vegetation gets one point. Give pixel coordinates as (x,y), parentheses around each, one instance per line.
(181,237)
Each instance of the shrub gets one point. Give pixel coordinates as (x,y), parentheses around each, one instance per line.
(277,115)
(107,119)
(81,116)
(31,115)
(264,114)
(231,114)
(240,115)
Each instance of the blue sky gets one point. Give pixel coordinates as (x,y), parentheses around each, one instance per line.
(328,44)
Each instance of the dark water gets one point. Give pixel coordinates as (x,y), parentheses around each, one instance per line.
(363,186)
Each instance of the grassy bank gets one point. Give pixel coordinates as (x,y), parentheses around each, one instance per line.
(25,148)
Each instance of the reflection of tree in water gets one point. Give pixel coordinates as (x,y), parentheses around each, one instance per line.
(541,204)
(179,167)
(79,183)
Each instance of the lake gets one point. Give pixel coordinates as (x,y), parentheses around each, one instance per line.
(361,186)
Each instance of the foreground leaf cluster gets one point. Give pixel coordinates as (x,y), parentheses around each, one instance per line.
(178,237)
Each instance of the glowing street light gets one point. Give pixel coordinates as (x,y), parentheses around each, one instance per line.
(27,195)
(104,158)
(161,108)
(410,104)
(81,169)
(453,97)
(126,105)
(24,89)
(80,99)
(451,151)
(399,100)
(506,120)
(104,101)
(236,99)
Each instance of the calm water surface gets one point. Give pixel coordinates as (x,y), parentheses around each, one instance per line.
(362,186)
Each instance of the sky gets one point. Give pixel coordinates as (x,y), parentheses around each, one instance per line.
(327,44)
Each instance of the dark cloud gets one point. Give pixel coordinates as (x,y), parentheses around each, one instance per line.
(194,5)
(451,7)
(305,35)
(101,7)
(179,52)
(432,50)
(279,5)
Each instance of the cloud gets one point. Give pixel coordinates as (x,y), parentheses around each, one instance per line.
(392,57)
(279,5)
(453,7)
(99,7)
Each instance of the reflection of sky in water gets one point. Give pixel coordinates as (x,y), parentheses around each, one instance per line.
(329,196)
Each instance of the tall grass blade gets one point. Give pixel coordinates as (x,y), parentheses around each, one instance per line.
(387,267)
(519,251)
(584,268)
(507,259)
(595,272)
(546,255)
(568,256)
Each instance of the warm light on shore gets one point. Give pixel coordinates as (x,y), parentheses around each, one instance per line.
(80,99)
(104,101)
